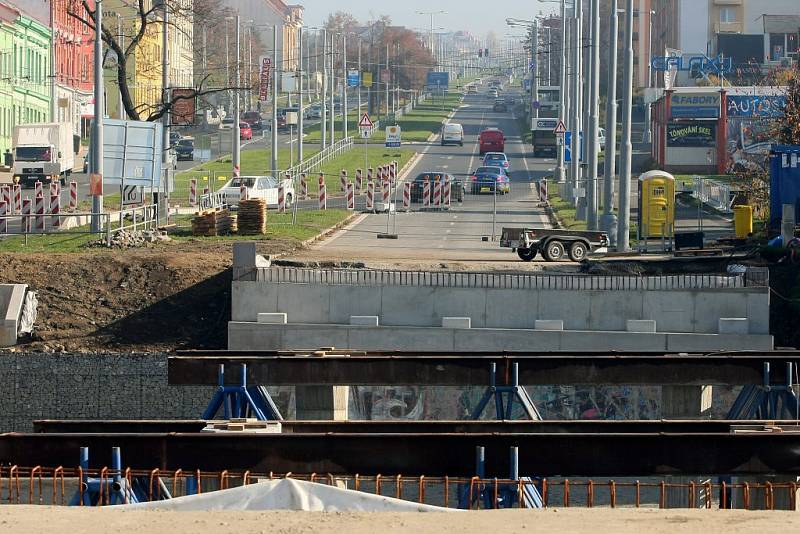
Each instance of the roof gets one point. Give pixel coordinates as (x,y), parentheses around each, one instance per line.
(781,23)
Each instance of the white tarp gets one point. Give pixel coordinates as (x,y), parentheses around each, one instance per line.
(288,494)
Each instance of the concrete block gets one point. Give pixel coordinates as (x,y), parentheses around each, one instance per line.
(549,324)
(12,299)
(364,320)
(734,325)
(456,322)
(715,342)
(641,325)
(272,318)
(244,254)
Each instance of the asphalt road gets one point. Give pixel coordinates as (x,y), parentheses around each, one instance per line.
(457,234)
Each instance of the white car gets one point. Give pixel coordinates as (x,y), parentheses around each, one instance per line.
(226,124)
(265,187)
(452,132)
(601,138)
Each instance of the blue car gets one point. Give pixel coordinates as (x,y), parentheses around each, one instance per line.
(490,180)
(496,159)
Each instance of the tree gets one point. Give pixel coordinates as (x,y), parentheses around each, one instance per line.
(788,126)
(147,20)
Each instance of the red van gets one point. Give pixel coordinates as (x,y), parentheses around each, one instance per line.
(492,140)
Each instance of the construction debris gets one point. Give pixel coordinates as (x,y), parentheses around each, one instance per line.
(252,218)
(212,223)
(124,239)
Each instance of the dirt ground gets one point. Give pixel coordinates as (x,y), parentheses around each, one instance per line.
(173,295)
(35,519)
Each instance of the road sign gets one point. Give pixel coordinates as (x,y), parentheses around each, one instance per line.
(536,104)
(560,128)
(365,132)
(393,134)
(365,121)
(531,65)
(131,194)
(353,78)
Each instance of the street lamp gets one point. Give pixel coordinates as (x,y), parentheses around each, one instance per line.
(432,14)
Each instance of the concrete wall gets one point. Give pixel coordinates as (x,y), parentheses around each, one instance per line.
(12,298)
(678,310)
(255,336)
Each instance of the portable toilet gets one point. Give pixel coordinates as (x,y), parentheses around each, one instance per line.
(656,205)
(784,182)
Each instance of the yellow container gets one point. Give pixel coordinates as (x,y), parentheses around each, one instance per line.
(656,205)
(743,221)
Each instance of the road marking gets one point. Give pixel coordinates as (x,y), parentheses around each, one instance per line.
(355,222)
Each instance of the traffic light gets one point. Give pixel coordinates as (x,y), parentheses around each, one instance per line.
(486,52)
(480,52)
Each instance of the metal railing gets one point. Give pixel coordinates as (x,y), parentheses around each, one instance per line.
(138,218)
(56,486)
(315,162)
(48,224)
(758,278)
(713,193)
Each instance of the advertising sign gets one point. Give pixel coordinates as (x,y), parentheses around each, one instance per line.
(393,134)
(756,106)
(692,135)
(700,64)
(438,80)
(266,73)
(132,152)
(695,105)
(366,79)
(353,79)
(183,107)
(288,80)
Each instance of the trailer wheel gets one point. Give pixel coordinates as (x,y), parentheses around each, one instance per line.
(527,254)
(553,251)
(578,251)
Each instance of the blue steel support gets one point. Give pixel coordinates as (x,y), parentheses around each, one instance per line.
(115,487)
(513,391)
(767,401)
(241,401)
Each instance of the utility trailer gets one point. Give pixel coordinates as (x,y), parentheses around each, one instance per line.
(554,244)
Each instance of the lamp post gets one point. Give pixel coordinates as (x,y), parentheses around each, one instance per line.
(626,148)
(608,222)
(97,129)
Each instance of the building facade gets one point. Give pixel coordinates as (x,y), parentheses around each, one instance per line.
(25,88)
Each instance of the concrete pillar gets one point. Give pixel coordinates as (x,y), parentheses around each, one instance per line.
(321,403)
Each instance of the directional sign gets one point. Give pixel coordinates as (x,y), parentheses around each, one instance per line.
(365,121)
(560,128)
(131,194)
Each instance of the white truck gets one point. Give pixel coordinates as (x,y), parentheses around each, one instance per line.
(42,151)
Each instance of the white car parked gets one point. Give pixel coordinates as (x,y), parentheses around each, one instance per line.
(265,187)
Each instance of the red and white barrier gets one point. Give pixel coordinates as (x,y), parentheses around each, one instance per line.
(447,191)
(4,210)
(26,210)
(426,193)
(55,188)
(236,171)
(243,192)
(393,172)
(343,181)
(192,191)
(73,196)
(359,182)
(437,192)
(37,189)
(370,174)
(387,193)
(17,198)
(407,196)
(5,196)
(303,186)
(55,210)
(370,195)
(39,208)
(206,191)
(323,194)
(543,190)
(281,199)
(351,197)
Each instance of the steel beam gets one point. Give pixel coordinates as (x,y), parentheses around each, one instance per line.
(430,454)
(465,369)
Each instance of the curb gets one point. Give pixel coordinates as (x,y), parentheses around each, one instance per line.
(325,233)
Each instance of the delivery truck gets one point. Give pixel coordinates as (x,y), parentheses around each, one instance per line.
(42,151)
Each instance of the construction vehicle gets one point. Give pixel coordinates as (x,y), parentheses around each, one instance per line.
(554,244)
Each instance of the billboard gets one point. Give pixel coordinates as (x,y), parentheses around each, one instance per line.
(756,106)
(366,79)
(132,152)
(692,135)
(438,80)
(266,73)
(183,106)
(695,105)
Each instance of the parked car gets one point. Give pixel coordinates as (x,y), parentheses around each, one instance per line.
(491,140)
(497,159)
(184,149)
(245,131)
(457,187)
(265,187)
(453,132)
(490,180)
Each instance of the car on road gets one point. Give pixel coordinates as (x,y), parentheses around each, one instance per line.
(472,90)
(500,106)
(174,137)
(265,187)
(492,93)
(253,118)
(184,149)
(453,133)
(227,124)
(601,138)
(490,180)
(457,187)
(313,112)
(245,131)
(491,140)
(497,159)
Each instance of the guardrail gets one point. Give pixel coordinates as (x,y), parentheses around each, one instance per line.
(750,278)
(49,224)
(713,193)
(314,162)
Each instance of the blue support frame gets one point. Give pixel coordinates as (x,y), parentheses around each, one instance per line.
(241,401)
(504,405)
(115,487)
(767,401)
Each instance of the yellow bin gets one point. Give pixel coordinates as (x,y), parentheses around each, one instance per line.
(743,221)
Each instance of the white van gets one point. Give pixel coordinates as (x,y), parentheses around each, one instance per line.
(452,132)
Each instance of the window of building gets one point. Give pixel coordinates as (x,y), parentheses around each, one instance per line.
(727,14)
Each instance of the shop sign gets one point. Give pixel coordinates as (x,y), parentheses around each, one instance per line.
(692,135)
(694,105)
(756,106)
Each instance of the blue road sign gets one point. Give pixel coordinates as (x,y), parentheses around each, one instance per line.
(568,146)
(353,78)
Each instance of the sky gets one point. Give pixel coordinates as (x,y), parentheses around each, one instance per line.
(475,16)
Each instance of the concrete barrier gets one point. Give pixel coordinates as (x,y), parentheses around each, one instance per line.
(641,325)
(549,324)
(364,320)
(12,299)
(734,325)
(456,322)
(272,318)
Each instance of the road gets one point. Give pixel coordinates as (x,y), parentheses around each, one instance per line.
(457,234)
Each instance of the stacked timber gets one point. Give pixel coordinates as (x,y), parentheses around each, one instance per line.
(252,219)
(211,223)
